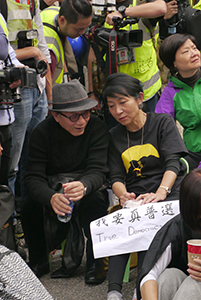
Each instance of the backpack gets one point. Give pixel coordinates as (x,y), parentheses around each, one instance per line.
(187,20)
(7,207)
(190,21)
(17,281)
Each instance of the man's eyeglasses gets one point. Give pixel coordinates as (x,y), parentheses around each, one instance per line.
(75,117)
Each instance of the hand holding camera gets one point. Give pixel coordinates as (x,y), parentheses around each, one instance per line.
(34,57)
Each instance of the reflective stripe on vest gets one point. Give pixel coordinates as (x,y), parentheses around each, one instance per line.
(19,18)
(53,41)
(197,5)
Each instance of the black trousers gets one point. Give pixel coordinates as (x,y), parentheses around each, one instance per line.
(91,207)
(117,267)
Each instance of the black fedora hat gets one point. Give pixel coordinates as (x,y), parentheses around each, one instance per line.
(70,97)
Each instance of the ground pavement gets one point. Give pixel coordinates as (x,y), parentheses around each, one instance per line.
(74,288)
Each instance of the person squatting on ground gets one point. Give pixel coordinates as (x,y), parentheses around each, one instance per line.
(166,273)
(144,157)
(69,141)
(181,96)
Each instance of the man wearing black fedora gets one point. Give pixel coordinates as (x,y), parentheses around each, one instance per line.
(70,141)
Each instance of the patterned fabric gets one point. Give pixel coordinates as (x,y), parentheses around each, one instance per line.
(98,79)
(17,281)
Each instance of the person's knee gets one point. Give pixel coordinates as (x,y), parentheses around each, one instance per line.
(169,282)
(189,289)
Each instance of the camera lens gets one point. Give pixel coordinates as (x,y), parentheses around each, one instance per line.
(41,66)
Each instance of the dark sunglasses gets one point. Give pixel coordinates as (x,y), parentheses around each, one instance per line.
(75,117)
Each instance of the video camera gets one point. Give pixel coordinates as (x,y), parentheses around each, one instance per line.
(125,38)
(8,75)
(111,40)
(25,39)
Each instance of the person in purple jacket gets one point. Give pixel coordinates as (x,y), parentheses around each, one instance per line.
(181,97)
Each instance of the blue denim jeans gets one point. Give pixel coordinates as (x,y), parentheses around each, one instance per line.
(149,105)
(28,114)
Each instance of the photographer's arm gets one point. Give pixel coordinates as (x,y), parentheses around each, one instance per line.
(48,85)
(30,52)
(148,10)
(154,9)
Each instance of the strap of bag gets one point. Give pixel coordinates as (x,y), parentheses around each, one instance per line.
(32,8)
(99,57)
(113,52)
(52,27)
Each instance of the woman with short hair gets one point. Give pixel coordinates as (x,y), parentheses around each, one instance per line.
(144,157)
(181,97)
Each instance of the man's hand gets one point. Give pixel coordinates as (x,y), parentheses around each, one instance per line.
(111,15)
(15,84)
(125,197)
(60,204)
(195,269)
(40,56)
(172,9)
(31,52)
(74,190)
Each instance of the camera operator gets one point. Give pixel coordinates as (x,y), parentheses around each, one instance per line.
(143,62)
(6,113)
(33,107)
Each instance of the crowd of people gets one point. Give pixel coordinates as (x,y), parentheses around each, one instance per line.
(65,142)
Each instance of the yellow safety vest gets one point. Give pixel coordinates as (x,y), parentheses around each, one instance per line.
(197,5)
(3,25)
(53,41)
(145,66)
(19,18)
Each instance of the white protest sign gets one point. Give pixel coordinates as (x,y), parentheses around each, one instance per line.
(130,230)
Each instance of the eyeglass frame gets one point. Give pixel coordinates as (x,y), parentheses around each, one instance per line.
(77,115)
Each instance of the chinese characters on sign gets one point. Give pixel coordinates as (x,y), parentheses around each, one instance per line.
(130,230)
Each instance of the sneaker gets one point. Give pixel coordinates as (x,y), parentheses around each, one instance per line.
(114,295)
(134,295)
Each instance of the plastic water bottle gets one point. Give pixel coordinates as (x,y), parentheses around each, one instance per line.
(67,217)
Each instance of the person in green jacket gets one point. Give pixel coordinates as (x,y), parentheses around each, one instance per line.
(181,97)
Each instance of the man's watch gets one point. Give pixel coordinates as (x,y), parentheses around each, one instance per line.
(85,191)
(168,190)
(121,10)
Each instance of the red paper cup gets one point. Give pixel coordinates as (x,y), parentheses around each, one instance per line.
(194,250)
